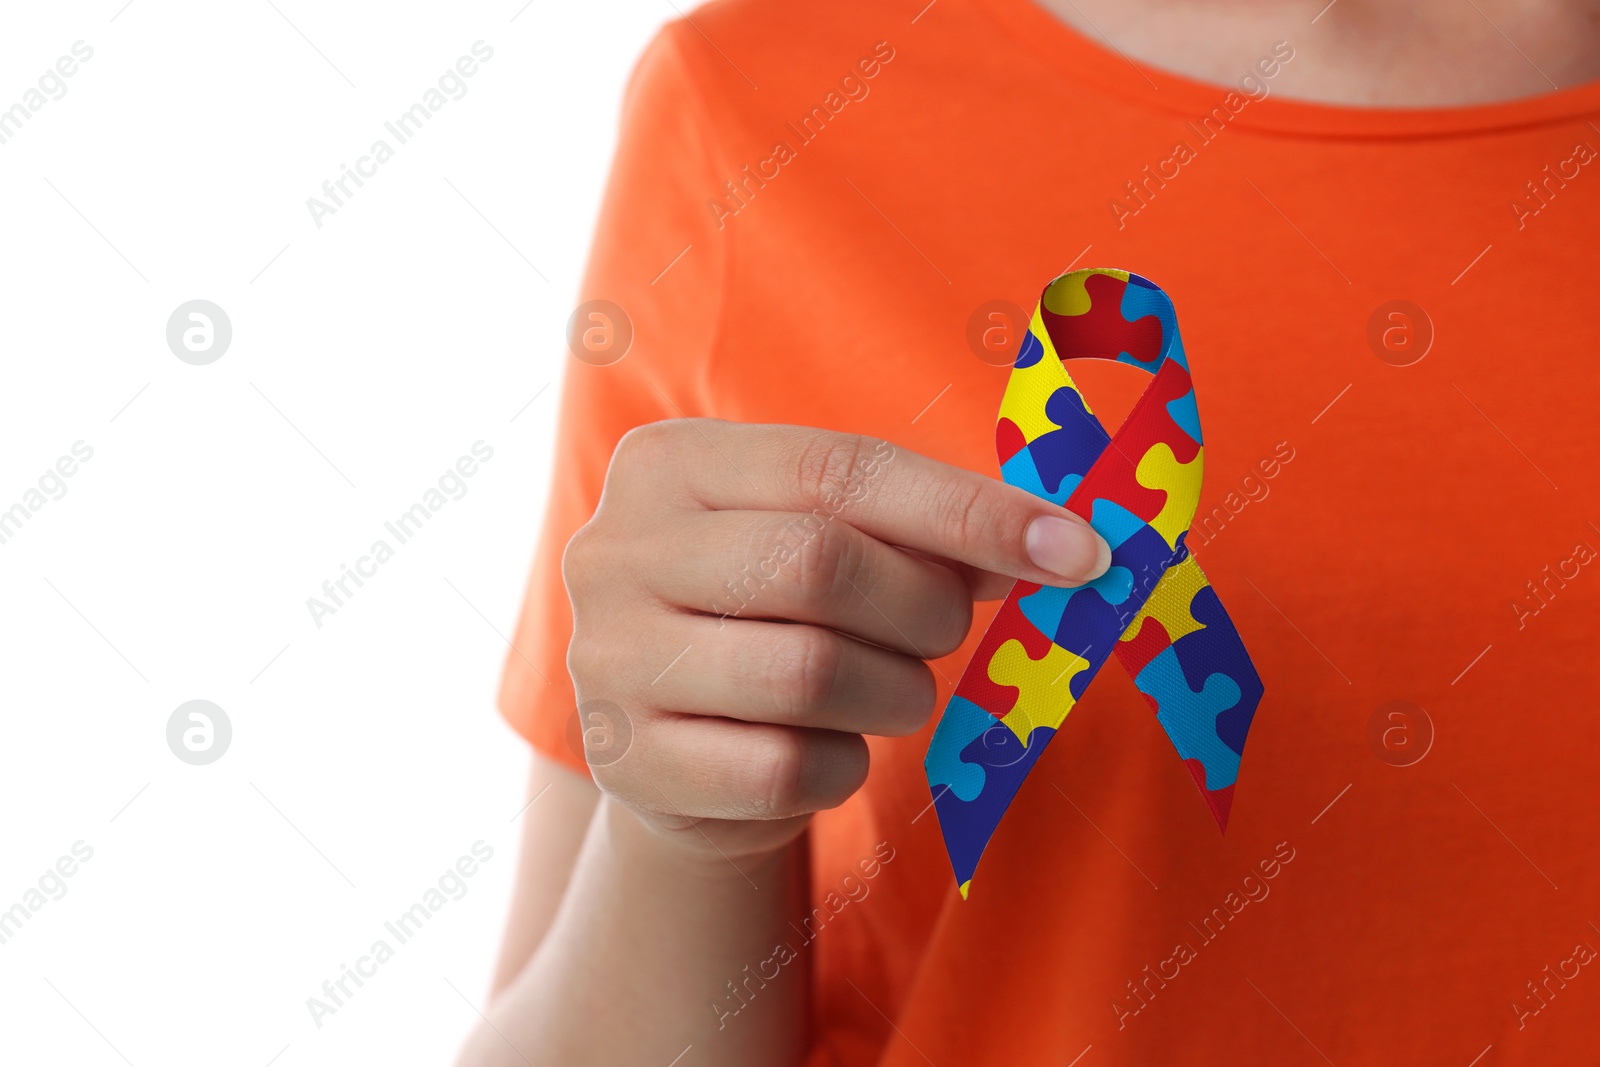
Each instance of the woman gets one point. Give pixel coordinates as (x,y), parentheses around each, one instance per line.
(825,226)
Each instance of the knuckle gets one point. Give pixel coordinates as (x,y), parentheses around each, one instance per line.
(585,659)
(949,627)
(655,456)
(959,511)
(829,558)
(774,771)
(825,464)
(926,700)
(622,782)
(916,698)
(806,670)
(577,559)
(643,445)
(651,449)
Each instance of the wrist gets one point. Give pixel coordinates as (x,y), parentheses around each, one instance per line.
(708,853)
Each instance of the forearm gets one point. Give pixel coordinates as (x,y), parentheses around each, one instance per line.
(654,950)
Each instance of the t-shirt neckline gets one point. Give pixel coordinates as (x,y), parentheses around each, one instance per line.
(1075,54)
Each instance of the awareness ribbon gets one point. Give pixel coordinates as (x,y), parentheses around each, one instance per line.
(1153,608)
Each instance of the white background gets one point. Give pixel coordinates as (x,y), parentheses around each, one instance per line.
(367,356)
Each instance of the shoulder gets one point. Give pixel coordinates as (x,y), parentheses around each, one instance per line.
(739,52)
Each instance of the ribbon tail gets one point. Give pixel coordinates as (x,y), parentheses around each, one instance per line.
(978,758)
(1185,655)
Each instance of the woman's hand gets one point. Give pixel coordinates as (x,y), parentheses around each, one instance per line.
(756,598)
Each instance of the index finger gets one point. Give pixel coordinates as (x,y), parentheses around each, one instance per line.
(899,497)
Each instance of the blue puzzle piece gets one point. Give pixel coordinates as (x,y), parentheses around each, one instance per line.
(963,722)
(1087,620)
(1218,649)
(1045,608)
(1234,723)
(1145,555)
(1089,629)
(1114,522)
(1032,351)
(1071,449)
(1021,471)
(969,824)
(1142,298)
(1190,717)
(1186,415)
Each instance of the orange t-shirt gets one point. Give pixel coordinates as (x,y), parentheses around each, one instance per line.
(1399,513)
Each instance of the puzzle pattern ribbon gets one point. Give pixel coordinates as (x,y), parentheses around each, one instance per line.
(1153,608)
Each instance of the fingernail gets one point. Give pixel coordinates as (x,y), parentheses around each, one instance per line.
(1071,549)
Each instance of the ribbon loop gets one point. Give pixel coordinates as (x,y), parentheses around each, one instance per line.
(1153,609)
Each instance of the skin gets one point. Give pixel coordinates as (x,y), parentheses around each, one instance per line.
(1370,53)
(689,871)
(641,895)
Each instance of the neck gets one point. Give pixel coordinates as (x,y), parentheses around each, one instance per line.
(1427,53)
